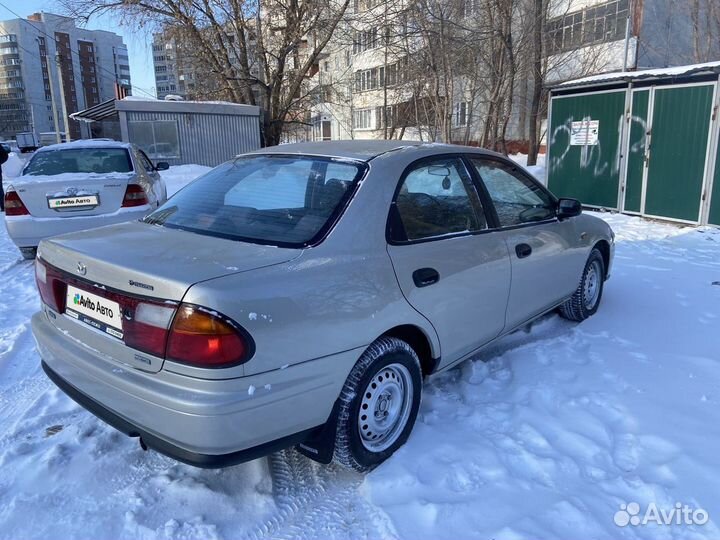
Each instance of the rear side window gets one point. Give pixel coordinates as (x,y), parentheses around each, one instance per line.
(79,160)
(279,200)
(517,199)
(436,198)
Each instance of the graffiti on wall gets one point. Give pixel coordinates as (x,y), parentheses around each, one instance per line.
(592,158)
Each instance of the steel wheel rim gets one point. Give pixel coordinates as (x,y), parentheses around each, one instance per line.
(591,287)
(385,407)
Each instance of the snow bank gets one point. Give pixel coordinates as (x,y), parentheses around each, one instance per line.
(179,176)
(538,170)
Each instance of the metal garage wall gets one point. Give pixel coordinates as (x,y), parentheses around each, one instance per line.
(636,148)
(588,172)
(679,135)
(208,139)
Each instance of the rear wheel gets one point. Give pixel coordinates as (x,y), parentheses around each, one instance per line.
(28,252)
(378,404)
(585,300)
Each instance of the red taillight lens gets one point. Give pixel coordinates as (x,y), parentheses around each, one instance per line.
(205,339)
(147,330)
(14,205)
(50,284)
(134,196)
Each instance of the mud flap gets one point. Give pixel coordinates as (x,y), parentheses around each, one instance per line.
(320,445)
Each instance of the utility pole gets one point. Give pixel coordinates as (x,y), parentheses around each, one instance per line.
(52,99)
(66,120)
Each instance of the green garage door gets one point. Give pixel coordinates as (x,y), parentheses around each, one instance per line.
(636,150)
(678,146)
(581,164)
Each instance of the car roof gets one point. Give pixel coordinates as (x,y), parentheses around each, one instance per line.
(85,143)
(366,150)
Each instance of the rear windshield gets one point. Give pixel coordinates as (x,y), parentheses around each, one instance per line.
(279,200)
(79,160)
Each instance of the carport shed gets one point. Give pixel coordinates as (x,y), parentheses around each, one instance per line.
(179,132)
(643,142)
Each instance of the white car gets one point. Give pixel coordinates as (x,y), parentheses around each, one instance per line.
(80,185)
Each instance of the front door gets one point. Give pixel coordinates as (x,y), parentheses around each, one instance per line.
(450,266)
(544,252)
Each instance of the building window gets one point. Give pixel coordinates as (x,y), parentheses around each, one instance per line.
(159,139)
(365,40)
(600,23)
(362,119)
(460,116)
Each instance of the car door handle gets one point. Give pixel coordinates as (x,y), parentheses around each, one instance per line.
(425,276)
(523,250)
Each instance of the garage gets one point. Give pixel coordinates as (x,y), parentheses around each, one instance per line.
(643,142)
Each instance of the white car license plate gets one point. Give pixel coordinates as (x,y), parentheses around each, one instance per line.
(77,201)
(94,310)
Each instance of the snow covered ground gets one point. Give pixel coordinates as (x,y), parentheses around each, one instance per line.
(545,435)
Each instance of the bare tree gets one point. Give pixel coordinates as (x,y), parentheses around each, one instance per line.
(267,50)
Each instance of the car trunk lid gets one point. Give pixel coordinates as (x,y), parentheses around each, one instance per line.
(72,194)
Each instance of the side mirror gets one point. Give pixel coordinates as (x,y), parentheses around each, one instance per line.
(162,166)
(568,208)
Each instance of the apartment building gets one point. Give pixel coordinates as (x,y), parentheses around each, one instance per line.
(364,90)
(587,37)
(93,64)
(180,71)
(173,70)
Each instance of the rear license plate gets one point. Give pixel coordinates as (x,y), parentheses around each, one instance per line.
(95,311)
(76,201)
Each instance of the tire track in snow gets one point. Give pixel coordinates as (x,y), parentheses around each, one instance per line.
(318,501)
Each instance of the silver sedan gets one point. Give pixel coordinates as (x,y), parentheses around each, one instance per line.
(299,295)
(80,185)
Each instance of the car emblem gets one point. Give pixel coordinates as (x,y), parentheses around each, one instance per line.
(81,268)
(72,191)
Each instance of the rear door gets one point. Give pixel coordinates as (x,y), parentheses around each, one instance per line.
(450,266)
(544,252)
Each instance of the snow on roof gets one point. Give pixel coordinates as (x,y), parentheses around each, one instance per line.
(143,104)
(85,143)
(659,73)
(154,100)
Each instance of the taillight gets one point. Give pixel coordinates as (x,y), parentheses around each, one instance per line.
(134,196)
(50,284)
(147,330)
(206,339)
(14,205)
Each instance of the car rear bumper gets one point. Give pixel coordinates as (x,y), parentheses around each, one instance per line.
(206,423)
(27,231)
(206,461)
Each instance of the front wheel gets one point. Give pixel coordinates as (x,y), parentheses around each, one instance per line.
(585,300)
(378,404)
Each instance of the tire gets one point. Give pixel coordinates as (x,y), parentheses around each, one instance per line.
(585,300)
(394,368)
(28,252)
